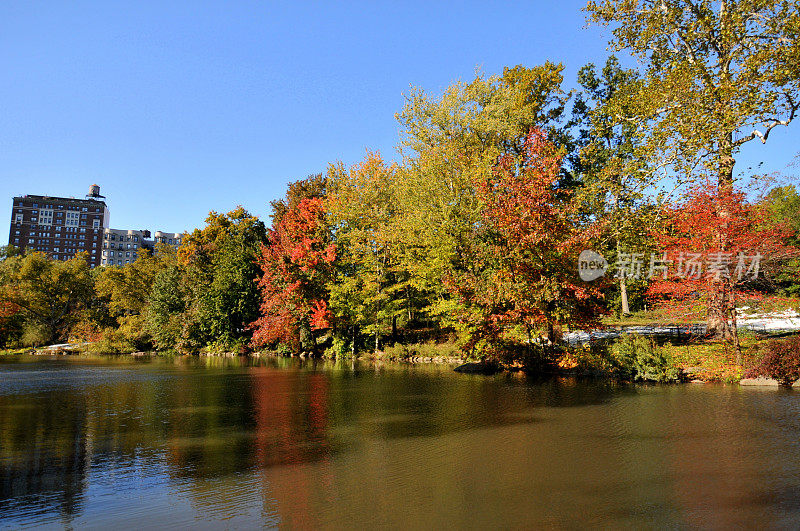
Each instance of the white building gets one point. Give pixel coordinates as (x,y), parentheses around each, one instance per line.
(122,246)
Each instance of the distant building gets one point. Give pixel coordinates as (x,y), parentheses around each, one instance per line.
(60,226)
(121,246)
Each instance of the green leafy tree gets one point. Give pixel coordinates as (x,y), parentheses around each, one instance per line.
(219,262)
(122,296)
(48,293)
(168,317)
(369,291)
(613,177)
(781,206)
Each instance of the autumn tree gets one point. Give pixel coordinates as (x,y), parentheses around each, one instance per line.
(534,234)
(370,289)
(313,186)
(611,173)
(49,293)
(450,143)
(716,76)
(10,323)
(296,266)
(700,268)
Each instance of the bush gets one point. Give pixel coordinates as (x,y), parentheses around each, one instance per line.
(780,359)
(340,349)
(283,350)
(589,359)
(639,358)
(423,350)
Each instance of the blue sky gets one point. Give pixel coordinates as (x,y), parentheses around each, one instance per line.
(175,109)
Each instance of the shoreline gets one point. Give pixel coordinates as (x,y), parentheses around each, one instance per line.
(468,366)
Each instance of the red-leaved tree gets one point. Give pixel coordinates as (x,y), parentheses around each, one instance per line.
(296,263)
(716,251)
(530,276)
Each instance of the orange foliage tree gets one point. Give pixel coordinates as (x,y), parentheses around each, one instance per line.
(296,262)
(533,238)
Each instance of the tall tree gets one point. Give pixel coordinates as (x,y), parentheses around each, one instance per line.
(612,174)
(716,76)
(296,266)
(219,260)
(535,237)
(370,290)
(703,270)
(449,144)
(126,294)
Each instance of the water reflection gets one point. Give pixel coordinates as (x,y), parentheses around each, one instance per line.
(195,441)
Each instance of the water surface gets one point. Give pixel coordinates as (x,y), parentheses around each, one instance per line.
(210,442)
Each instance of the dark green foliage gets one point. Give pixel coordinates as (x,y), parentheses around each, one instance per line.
(638,358)
(167,308)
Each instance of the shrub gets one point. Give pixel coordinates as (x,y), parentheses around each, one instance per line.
(340,349)
(639,358)
(780,359)
(423,350)
(593,358)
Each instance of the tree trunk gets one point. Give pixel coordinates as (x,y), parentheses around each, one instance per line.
(623,288)
(735,329)
(720,308)
(551,333)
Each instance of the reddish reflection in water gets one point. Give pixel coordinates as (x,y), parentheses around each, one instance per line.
(291,414)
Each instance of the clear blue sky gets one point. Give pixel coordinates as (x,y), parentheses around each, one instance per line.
(175,108)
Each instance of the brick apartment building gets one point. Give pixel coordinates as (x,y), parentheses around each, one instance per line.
(60,226)
(64,226)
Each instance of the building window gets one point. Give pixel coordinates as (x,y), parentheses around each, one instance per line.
(72,218)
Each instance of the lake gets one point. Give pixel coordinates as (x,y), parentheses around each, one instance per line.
(227,442)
